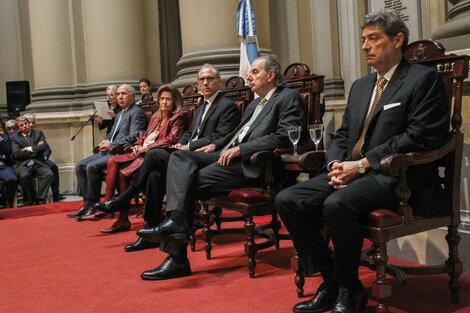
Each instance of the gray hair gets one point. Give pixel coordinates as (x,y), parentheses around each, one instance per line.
(30,116)
(10,124)
(271,64)
(130,88)
(207,65)
(391,24)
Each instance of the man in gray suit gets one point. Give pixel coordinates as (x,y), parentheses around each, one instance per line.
(225,164)
(28,146)
(400,108)
(128,122)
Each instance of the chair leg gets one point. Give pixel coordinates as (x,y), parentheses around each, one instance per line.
(382,287)
(299,279)
(218,219)
(250,246)
(454,263)
(206,230)
(275,226)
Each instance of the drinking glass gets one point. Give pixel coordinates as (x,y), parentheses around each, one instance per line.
(139,133)
(294,136)
(316,133)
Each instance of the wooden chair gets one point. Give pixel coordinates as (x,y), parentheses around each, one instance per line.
(384,225)
(252,202)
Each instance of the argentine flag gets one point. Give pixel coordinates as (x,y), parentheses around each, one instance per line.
(249,49)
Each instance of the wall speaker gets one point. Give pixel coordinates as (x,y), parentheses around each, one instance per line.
(18,96)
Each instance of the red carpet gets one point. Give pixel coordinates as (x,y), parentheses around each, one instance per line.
(50,263)
(44,209)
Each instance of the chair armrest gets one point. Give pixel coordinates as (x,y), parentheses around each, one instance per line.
(117,150)
(391,164)
(262,157)
(96,150)
(313,160)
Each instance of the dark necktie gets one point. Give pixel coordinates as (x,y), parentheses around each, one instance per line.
(198,120)
(357,150)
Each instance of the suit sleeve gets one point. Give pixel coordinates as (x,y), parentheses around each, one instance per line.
(5,146)
(137,122)
(290,114)
(427,121)
(228,120)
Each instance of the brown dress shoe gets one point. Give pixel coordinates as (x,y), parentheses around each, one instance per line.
(118,226)
(98,215)
(79,212)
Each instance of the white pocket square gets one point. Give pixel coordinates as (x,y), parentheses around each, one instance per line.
(391,105)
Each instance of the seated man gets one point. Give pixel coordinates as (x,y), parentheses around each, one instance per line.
(399,109)
(214,119)
(31,117)
(7,174)
(28,146)
(225,166)
(129,121)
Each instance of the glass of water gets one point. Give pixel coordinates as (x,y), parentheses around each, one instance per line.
(294,136)
(316,133)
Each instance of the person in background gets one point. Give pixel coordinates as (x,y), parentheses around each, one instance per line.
(28,147)
(7,174)
(114,109)
(11,128)
(145,87)
(165,128)
(89,171)
(56,196)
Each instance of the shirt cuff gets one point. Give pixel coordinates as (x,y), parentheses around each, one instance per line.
(30,149)
(328,167)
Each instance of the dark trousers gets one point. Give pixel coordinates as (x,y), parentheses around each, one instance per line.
(343,209)
(10,182)
(26,175)
(152,174)
(195,176)
(55,171)
(89,176)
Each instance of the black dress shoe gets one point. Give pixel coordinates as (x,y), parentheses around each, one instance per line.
(168,269)
(79,212)
(167,230)
(107,206)
(350,300)
(141,244)
(91,210)
(57,197)
(324,300)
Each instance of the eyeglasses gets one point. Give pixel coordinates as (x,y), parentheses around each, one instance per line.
(209,79)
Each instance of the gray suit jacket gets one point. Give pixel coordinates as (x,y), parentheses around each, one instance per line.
(18,142)
(221,118)
(269,129)
(132,121)
(412,115)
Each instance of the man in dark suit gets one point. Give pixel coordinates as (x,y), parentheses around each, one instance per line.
(28,146)
(7,174)
(225,166)
(399,109)
(129,121)
(214,119)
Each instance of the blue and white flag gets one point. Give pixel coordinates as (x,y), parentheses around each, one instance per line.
(249,49)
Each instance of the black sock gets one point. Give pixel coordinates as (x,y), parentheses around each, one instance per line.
(127,195)
(178,217)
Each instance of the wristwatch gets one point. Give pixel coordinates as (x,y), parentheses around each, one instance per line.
(360,167)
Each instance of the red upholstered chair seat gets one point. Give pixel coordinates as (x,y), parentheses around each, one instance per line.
(384,218)
(247,195)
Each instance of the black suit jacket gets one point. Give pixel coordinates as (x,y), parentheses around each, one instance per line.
(269,129)
(412,115)
(132,121)
(221,118)
(18,141)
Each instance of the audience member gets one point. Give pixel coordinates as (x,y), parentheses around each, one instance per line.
(225,164)
(114,109)
(11,128)
(7,174)
(28,147)
(400,108)
(165,128)
(56,196)
(89,171)
(145,87)
(214,119)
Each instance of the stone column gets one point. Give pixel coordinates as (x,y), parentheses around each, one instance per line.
(455,33)
(208,35)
